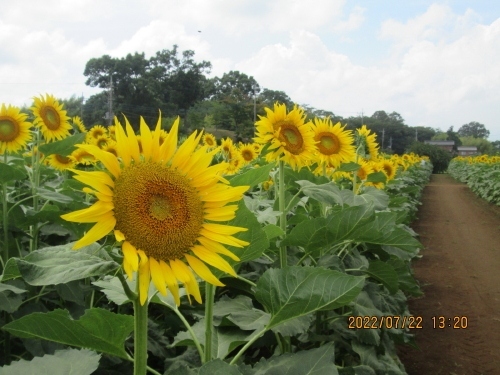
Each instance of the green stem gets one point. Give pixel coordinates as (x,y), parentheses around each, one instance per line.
(209,320)
(190,330)
(249,282)
(140,334)
(35,183)
(247,345)
(5,252)
(281,201)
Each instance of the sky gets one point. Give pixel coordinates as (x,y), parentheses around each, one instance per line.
(436,63)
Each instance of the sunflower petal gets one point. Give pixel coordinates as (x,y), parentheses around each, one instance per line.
(216,247)
(225,239)
(98,231)
(146,139)
(144,281)
(214,259)
(130,255)
(191,285)
(91,214)
(202,270)
(223,229)
(171,281)
(157,276)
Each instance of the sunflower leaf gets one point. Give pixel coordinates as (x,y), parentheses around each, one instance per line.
(10,173)
(62,362)
(63,147)
(297,291)
(252,177)
(60,264)
(97,329)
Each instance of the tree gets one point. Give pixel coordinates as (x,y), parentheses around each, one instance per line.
(453,136)
(141,87)
(439,158)
(483,145)
(73,106)
(473,129)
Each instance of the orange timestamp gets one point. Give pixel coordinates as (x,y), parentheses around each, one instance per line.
(388,322)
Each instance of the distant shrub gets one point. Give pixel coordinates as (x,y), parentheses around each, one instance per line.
(439,158)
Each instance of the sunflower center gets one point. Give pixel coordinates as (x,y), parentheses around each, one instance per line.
(247,155)
(157,209)
(9,129)
(292,138)
(50,118)
(209,141)
(329,143)
(62,159)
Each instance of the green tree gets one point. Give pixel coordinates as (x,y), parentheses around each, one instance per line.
(473,129)
(166,82)
(73,105)
(439,158)
(453,136)
(483,145)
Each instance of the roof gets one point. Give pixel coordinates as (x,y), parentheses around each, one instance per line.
(467,148)
(440,143)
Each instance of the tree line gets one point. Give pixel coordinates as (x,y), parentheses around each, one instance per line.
(176,84)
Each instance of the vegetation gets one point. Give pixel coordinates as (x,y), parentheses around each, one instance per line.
(439,158)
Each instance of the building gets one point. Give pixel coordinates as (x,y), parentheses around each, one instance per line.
(467,150)
(445,145)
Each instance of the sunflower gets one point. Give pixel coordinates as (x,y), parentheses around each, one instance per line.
(290,139)
(51,118)
(14,129)
(248,153)
(209,141)
(334,144)
(389,169)
(111,132)
(83,157)
(111,147)
(101,141)
(77,121)
(226,146)
(161,205)
(368,140)
(235,162)
(61,162)
(364,170)
(95,132)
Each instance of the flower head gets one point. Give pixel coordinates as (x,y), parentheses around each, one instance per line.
(290,138)
(334,144)
(14,129)
(51,118)
(163,205)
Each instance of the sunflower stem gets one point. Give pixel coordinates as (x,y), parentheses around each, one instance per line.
(209,320)
(5,252)
(190,330)
(140,334)
(281,202)
(35,182)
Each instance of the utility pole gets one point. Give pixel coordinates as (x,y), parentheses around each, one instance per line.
(254,105)
(81,108)
(383,136)
(416,135)
(109,115)
(362,117)
(390,143)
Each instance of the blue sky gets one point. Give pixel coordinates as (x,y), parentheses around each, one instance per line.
(434,62)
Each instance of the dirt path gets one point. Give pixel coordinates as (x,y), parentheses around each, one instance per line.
(460,276)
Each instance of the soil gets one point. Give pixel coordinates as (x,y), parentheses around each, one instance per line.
(459,273)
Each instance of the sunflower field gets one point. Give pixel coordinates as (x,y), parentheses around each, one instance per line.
(127,251)
(480,173)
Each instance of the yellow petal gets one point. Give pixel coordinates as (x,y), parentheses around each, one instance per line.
(146,139)
(171,281)
(95,233)
(144,280)
(119,235)
(225,239)
(91,214)
(122,144)
(132,142)
(202,270)
(130,255)
(223,229)
(216,247)
(191,285)
(169,146)
(157,276)
(214,259)
(94,183)
(128,269)
(109,160)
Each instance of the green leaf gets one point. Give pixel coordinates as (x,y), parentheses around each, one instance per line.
(62,362)
(318,361)
(63,147)
(252,177)
(218,367)
(224,339)
(377,177)
(297,291)
(348,167)
(60,264)
(384,273)
(357,370)
(326,193)
(113,289)
(10,173)
(240,312)
(10,297)
(53,196)
(272,231)
(10,271)
(97,329)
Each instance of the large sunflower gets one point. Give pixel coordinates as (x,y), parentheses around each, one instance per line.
(290,139)
(334,144)
(367,139)
(61,162)
(51,118)
(14,129)
(161,204)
